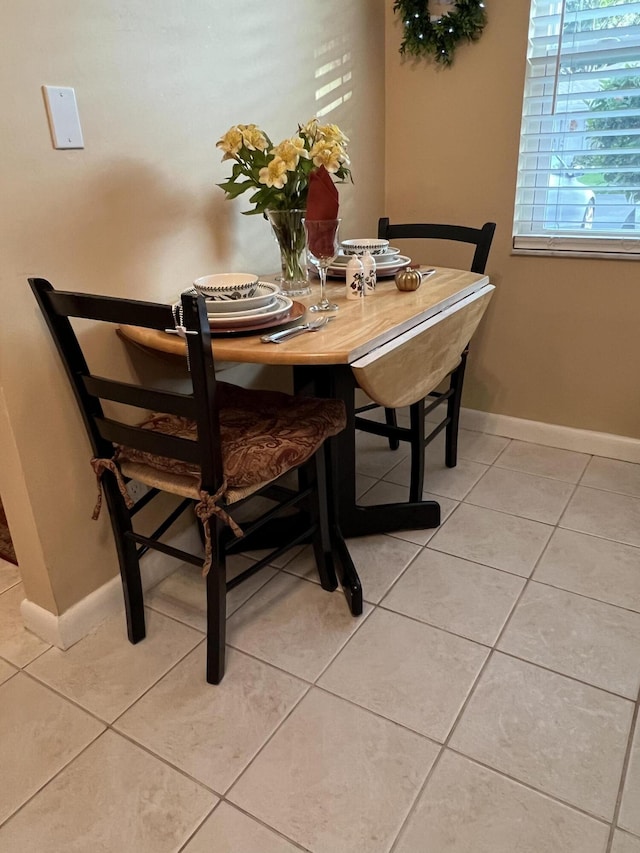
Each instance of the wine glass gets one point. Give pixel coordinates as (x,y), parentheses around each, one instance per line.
(322,247)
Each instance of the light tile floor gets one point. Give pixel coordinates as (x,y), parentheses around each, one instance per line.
(486,701)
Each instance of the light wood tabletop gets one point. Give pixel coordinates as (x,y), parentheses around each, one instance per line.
(359,327)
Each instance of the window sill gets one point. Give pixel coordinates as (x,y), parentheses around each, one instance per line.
(608,248)
(575,253)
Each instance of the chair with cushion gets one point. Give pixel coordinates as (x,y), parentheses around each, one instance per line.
(416,434)
(215,446)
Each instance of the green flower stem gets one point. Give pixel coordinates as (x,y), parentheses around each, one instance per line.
(288,228)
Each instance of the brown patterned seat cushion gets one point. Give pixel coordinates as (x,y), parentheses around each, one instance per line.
(263,435)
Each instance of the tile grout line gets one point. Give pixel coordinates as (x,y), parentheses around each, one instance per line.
(585,596)
(507,653)
(52,778)
(529,787)
(416,800)
(635,722)
(198,827)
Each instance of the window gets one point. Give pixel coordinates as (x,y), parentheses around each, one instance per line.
(578,189)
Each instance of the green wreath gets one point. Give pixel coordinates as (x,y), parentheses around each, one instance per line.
(439,37)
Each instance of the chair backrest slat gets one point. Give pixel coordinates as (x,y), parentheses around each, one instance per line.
(110,309)
(481,238)
(143,398)
(149,441)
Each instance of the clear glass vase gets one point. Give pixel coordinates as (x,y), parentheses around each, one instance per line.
(288,228)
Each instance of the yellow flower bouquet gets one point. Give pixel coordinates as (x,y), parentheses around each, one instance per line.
(278,177)
(279,174)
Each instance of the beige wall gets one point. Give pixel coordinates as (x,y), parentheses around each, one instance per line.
(137,211)
(560,341)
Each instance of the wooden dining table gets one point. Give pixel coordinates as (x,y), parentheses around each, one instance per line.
(384,327)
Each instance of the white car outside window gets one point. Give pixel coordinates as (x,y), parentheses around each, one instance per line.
(571,205)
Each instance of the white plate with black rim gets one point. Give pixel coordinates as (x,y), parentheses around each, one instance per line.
(251,312)
(389,253)
(383,270)
(280,308)
(264,296)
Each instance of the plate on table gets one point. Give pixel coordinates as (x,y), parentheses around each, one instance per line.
(214,314)
(381,260)
(383,270)
(281,306)
(264,295)
(389,252)
(294,313)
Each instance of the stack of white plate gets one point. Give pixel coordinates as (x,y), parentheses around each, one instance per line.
(266,305)
(387,264)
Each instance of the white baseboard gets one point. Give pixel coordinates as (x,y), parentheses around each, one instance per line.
(553,435)
(606,444)
(75,623)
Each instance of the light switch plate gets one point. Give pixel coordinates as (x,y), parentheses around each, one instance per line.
(64,120)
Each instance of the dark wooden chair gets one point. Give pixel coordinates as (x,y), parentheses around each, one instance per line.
(215,446)
(416,433)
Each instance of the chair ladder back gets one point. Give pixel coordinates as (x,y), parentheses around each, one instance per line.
(481,238)
(90,390)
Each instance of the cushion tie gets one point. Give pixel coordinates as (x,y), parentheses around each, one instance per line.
(205,508)
(100,466)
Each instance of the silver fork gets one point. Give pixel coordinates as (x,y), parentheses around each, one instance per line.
(313,326)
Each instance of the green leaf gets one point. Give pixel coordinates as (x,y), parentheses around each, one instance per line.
(237,189)
(237,170)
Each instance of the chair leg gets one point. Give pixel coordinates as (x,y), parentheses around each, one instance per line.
(453,412)
(322,547)
(391,419)
(127,558)
(216,583)
(416,485)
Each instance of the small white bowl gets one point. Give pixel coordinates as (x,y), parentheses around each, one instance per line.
(227,285)
(364,244)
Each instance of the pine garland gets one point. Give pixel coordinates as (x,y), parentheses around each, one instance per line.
(439,37)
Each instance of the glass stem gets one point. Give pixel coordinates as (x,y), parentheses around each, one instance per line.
(322,271)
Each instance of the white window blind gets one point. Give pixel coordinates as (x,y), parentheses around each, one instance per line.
(578,188)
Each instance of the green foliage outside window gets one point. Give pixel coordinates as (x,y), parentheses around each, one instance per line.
(618,93)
